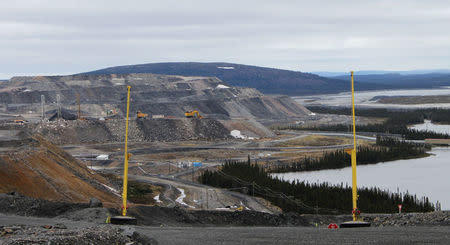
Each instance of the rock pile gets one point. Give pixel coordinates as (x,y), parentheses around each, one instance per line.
(60,234)
(410,219)
(14,203)
(164,130)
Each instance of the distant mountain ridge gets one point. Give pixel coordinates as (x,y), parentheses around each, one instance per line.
(381,72)
(395,80)
(266,80)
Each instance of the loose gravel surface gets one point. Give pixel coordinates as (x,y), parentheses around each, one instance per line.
(25,230)
(32,230)
(62,223)
(298,235)
(441,218)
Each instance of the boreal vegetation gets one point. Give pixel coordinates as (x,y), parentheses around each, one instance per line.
(303,197)
(386,149)
(436,115)
(396,123)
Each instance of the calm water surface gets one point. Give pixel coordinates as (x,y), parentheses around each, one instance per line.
(428,176)
(425,176)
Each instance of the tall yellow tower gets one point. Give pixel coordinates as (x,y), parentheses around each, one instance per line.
(125,219)
(357,221)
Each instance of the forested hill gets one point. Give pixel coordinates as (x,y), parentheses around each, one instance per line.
(266,80)
(396,80)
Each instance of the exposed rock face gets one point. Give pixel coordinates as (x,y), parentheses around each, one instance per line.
(152,94)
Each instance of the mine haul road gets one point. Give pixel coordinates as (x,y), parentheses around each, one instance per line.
(216,197)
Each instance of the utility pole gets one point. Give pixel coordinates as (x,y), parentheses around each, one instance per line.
(79,107)
(253,192)
(43,106)
(207,202)
(58,104)
(193,167)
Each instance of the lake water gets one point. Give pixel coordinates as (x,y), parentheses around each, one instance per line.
(424,177)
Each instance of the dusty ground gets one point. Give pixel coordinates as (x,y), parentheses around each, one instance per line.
(175,226)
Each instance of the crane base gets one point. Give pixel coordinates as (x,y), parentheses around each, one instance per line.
(354,224)
(123,220)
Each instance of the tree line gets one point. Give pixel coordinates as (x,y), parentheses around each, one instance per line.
(386,149)
(403,116)
(396,123)
(304,197)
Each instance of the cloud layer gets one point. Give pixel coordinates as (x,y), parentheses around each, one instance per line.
(60,37)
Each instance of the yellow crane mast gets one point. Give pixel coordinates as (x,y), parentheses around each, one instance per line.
(357,221)
(125,219)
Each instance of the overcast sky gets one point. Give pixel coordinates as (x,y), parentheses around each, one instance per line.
(63,36)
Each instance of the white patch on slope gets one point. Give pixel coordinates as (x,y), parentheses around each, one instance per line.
(114,191)
(156,198)
(226,67)
(103,156)
(237,134)
(222,86)
(181,197)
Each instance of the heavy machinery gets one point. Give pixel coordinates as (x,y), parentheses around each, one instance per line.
(20,121)
(141,115)
(193,114)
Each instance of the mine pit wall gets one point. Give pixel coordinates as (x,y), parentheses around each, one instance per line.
(140,130)
(151,93)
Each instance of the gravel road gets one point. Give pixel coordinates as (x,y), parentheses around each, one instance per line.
(298,235)
(261,235)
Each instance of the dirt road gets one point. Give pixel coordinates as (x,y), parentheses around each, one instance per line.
(263,235)
(198,196)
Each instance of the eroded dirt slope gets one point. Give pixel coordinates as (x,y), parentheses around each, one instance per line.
(42,170)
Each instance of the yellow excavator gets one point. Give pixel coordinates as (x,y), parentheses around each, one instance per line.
(193,114)
(141,115)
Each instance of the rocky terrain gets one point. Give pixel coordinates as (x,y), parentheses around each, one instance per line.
(85,223)
(153,94)
(142,130)
(60,234)
(440,218)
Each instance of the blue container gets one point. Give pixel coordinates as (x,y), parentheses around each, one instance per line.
(197,164)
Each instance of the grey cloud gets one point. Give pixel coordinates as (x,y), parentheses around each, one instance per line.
(51,36)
